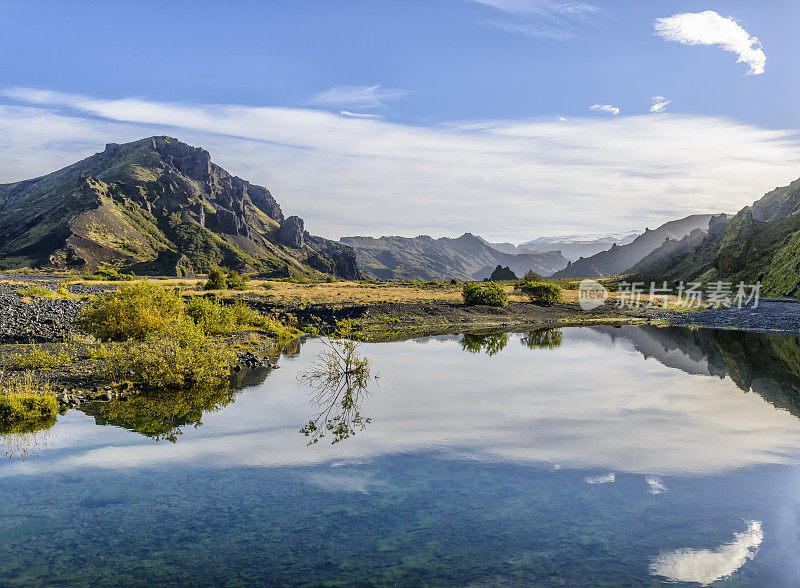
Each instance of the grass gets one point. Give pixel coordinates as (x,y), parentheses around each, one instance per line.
(25,404)
(36,291)
(37,358)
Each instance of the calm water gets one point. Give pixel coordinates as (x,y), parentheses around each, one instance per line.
(584,456)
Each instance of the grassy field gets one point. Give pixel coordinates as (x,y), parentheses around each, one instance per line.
(345,292)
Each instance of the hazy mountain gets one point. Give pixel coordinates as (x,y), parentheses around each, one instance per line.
(423,258)
(760,243)
(158,205)
(571,247)
(574,247)
(620,258)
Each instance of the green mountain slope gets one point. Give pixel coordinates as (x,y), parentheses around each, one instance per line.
(423,258)
(157,206)
(761,243)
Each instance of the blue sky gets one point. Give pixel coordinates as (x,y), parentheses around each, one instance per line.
(495,96)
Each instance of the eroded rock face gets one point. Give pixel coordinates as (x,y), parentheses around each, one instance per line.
(291,232)
(156,205)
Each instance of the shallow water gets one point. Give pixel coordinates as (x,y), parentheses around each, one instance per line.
(633,456)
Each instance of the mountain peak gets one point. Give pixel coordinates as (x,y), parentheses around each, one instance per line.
(157,198)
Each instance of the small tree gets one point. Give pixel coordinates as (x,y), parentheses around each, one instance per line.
(545,293)
(235,281)
(487,293)
(531,276)
(216,280)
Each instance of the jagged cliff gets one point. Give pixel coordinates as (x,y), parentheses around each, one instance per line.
(158,206)
(760,243)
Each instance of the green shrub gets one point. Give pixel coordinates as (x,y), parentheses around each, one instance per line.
(29,408)
(487,293)
(235,281)
(109,275)
(215,318)
(25,404)
(216,280)
(545,293)
(179,359)
(531,276)
(38,359)
(134,311)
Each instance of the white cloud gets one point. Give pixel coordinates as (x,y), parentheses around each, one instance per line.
(705,566)
(605,108)
(604,479)
(655,486)
(659,104)
(357,96)
(709,28)
(348,176)
(358,114)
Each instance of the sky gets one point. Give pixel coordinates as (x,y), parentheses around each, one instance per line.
(511,119)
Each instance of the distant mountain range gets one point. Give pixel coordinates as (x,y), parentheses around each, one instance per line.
(761,242)
(619,258)
(572,247)
(158,206)
(467,257)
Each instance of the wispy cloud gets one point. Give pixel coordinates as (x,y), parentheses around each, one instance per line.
(358,114)
(547,19)
(659,103)
(348,175)
(709,28)
(540,7)
(605,108)
(357,96)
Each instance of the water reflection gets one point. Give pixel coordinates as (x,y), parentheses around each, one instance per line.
(705,566)
(22,441)
(162,415)
(338,377)
(489,343)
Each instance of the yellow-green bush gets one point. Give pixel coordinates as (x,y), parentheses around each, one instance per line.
(181,358)
(488,293)
(216,280)
(24,403)
(134,311)
(215,318)
(545,293)
(37,358)
(109,275)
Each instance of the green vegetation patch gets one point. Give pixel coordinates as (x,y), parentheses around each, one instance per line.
(25,405)
(545,293)
(37,358)
(134,311)
(487,293)
(182,358)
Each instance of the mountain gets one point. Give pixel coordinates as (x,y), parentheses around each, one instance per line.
(620,258)
(423,258)
(760,243)
(158,206)
(571,247)
(574,247)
